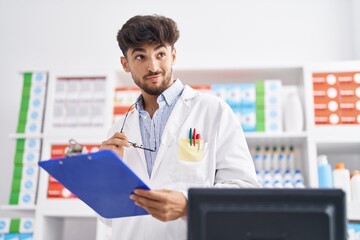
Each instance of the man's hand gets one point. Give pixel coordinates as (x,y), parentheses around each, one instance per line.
(116,143)
(165,205)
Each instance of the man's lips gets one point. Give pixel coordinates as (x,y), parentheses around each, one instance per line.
(153,77)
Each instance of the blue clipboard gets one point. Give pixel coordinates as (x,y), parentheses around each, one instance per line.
(101,180)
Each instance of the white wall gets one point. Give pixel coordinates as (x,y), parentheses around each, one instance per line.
(68,34)
(356,27)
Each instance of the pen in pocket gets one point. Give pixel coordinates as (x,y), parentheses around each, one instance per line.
(198,137)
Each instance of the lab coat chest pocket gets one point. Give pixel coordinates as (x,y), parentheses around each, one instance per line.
(192,162)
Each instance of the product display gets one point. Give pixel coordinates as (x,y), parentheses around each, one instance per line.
(277,169)
(16,228)
(28,150)
(284,159)
(324,172)
(342,179)
(293,113)
(336,97)
(79,102)
(355,186)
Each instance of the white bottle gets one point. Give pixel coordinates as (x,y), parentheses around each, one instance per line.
(298,176)
(278,184)
(288,184)
(293,112)
(267,184)
(259,177)
(277,176)
(274,158)
(355,185)
(258,159)
(290,158)
(299,184)
(341,177)
(266,159)
(267,178)
(282,160)
(288,176)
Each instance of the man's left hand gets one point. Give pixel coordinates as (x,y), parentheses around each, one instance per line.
(165,205)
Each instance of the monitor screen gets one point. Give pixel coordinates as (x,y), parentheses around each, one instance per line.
(266,214)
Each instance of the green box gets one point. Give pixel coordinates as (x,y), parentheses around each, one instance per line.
(15,225)
(16,185)
(14,198)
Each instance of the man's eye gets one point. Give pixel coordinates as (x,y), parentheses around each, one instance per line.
(162,54)
(139,57)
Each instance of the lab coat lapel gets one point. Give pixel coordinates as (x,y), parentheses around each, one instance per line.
(132,131)
(173,125)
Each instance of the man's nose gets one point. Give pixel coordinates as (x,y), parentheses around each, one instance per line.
(153,65)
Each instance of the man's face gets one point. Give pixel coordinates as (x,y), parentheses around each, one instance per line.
(150,66)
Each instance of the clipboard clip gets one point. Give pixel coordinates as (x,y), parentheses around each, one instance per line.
(74,148)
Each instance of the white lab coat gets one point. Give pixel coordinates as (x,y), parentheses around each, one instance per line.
(226,160)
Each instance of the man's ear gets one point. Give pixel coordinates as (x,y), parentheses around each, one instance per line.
(124,64)
(173,54)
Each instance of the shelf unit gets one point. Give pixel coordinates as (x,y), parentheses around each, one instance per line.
(338,142)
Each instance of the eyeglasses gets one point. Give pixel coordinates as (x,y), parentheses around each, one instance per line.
(135,145)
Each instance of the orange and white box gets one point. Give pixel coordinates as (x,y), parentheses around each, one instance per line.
(350,97)
(326,98)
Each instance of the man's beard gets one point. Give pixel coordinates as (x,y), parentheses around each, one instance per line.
(157,90)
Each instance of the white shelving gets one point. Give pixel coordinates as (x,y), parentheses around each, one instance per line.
(338,142)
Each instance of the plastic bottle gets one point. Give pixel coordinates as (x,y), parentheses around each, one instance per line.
(277,176)
(259,177)
(324,172)
(341,177)
(293,112)
(267,184)
(298,176)
(275,158)
(266,159)
(282,160)
(288,184)
(355,185)
(288,176)
(258,159)
(290,158)
(278,184)
(267,177)
(299,184)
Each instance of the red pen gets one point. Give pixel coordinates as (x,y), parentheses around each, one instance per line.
(194,137)
(198,137)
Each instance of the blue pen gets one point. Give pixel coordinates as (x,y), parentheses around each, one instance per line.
(190,136)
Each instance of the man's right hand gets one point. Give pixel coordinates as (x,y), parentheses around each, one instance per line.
(116,143)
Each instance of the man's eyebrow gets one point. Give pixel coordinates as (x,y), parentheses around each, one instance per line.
(137,50)
(160,46)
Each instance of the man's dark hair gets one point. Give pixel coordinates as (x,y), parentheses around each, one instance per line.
(140,30)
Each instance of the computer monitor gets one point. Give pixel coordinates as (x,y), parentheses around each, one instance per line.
(266,214)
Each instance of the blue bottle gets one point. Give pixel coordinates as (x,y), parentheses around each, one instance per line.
(324,172)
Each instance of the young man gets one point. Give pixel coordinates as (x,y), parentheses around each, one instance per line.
(188,139)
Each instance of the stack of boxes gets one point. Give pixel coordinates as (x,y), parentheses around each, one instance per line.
(16,228)
(27,152)
(273,105)
(257,105)
(124,98)
(336,98)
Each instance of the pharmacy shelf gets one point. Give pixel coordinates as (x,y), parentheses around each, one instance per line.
(66,208)
(339,142)
(18,208)
(24,135)
(336,134)
(276,138)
